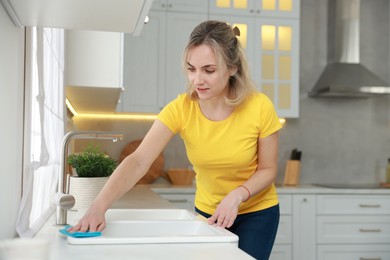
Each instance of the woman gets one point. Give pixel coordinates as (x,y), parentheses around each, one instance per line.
(230,133)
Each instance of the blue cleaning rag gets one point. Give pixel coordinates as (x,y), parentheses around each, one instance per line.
(79,234)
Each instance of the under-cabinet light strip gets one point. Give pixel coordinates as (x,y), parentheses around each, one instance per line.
(124,116)
(137,116)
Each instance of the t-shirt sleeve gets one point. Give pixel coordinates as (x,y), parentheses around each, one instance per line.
(170,115)
(269,119)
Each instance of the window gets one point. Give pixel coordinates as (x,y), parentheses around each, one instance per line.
(44,126)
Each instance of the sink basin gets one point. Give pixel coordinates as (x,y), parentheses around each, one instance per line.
(144,214)
(136,226)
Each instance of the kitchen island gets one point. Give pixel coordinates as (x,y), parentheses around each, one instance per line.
(140,197)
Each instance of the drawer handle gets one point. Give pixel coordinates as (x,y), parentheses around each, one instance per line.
(370,258)
(369,205)
(372,230)
(179,201)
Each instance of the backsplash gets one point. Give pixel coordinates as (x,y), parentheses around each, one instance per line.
(343,140)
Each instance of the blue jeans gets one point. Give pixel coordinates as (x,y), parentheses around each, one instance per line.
(256,231)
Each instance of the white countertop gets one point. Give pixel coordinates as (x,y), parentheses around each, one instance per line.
(300,189)
(139,197)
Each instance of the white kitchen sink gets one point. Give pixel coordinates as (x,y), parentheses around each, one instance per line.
(133,226)
(144,214)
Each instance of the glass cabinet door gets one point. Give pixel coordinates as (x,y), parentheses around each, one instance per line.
(263,8)
(272,50)
(277,63)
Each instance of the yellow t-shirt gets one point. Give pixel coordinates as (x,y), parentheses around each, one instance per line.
(223,153)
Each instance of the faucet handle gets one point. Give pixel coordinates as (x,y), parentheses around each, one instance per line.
(65,201)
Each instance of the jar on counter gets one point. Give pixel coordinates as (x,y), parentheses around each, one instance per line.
(388,171)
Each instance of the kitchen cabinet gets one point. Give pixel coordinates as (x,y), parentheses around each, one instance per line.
(322,224)
(181,197)
(180,200)
(93,70)
(353,227)
(304,226)
(265,8)
(195,6)
(153,73)
(271,43)
(101,15)
(94,58)
(282,249)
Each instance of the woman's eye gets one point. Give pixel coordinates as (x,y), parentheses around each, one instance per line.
(210,71)
(190,69)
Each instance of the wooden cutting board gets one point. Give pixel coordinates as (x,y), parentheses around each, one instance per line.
(156,169)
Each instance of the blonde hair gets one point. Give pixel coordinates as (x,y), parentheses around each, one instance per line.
(221,38)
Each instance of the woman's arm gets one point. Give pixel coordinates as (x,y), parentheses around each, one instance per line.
(267,167)
(125,176)
(264,176)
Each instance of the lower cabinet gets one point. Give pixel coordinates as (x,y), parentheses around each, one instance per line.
(282,249)
(353,252)
(281,252)
(181,197)
(180,200)
(353,227)
(315,226)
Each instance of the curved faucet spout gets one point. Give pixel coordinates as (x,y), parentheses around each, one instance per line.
(62,177)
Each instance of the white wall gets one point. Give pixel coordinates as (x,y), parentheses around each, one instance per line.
(11,129)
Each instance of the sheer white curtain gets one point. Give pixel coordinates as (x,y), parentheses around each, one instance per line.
(44,126)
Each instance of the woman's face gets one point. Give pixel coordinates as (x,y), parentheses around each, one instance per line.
(209,80)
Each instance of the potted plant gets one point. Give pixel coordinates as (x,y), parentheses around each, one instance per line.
(92,169)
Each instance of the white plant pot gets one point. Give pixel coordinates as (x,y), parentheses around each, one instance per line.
(85,190)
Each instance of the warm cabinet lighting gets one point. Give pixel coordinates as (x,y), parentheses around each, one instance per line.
(268,67)
(276,64)
(283,5)
(285,37)
(120,116)
(285,67)
(269,4)
(239,4)
(284,97)
(282,121)
(135,116)
(223,3)
(243,34)
(268,33)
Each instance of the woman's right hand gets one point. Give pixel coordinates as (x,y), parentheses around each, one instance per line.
(93,220)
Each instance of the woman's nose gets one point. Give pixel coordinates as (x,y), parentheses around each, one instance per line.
(197,78)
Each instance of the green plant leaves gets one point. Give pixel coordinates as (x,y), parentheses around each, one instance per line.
(92,162)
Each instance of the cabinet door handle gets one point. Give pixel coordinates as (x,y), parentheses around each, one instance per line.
(179,201)
(370,258)
(370,205)
(372,230)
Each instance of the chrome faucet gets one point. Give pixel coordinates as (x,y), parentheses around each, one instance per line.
(64,200)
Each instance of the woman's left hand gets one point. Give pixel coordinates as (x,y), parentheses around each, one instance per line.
(226,212)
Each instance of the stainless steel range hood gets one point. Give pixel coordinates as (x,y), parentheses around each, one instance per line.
(347,77)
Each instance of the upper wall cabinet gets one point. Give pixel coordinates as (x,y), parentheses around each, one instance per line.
(195,6)
(93,70)
(97,15)
(270,40)
(153,73)
(264,8)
